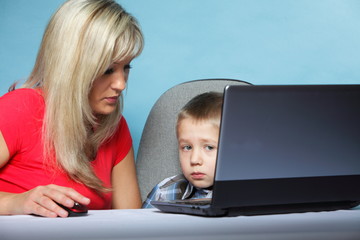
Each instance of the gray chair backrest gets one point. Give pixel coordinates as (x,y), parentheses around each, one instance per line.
(157,156)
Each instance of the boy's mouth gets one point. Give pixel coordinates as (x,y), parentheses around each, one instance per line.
(197,175)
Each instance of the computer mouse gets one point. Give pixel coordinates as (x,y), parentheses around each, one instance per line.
(75,211)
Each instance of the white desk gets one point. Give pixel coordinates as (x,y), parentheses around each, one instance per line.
(152,224)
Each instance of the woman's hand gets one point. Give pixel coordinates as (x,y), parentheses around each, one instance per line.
(41,201)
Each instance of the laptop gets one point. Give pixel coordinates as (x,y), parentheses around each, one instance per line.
(284,149)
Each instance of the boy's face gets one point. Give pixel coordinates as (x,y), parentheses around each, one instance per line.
(198,142)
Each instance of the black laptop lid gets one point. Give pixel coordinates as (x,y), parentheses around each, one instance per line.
(288,144)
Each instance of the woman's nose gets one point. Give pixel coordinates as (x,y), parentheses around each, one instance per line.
(119,82)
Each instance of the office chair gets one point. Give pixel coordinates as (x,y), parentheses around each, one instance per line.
(157,156)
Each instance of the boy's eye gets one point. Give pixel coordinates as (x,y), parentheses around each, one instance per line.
(186,148)
(209,148)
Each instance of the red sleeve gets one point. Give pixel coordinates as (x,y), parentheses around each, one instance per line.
(18,109)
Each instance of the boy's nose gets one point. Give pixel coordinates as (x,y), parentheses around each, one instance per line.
(196,158)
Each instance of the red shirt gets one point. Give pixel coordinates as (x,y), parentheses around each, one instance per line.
(21,118)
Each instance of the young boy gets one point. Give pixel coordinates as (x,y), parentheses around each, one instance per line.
(197,133)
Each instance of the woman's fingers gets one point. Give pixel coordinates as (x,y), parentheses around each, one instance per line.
(40,210)
(43,200)
(68,197)
(49,207)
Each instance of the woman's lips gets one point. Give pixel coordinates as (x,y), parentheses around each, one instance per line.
(112,100)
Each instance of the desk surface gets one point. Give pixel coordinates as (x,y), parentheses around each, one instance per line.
(152,224)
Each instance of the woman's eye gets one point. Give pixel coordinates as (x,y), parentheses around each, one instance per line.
(109,71)
(127,67)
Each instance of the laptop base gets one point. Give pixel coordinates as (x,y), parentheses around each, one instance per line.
(292,208)
(206,210)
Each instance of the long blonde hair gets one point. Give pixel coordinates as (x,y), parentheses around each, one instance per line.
(82,39)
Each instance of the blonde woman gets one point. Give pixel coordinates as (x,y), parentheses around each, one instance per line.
(62,136)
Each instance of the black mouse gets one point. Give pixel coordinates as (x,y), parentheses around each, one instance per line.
(75,211)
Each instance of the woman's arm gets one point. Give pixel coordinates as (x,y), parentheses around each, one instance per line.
(40,200)
(126,193)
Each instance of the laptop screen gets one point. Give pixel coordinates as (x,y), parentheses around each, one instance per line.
(275,131)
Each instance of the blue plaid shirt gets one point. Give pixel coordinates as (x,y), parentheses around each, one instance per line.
(175,188)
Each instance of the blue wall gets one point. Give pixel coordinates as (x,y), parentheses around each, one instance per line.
(259,41)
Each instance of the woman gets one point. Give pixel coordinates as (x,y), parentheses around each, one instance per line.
(62,136)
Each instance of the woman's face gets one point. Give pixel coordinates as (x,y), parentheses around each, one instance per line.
(106,90)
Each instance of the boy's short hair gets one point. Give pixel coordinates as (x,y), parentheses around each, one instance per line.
(203,107)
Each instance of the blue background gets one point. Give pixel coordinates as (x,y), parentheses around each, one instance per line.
(259,41)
